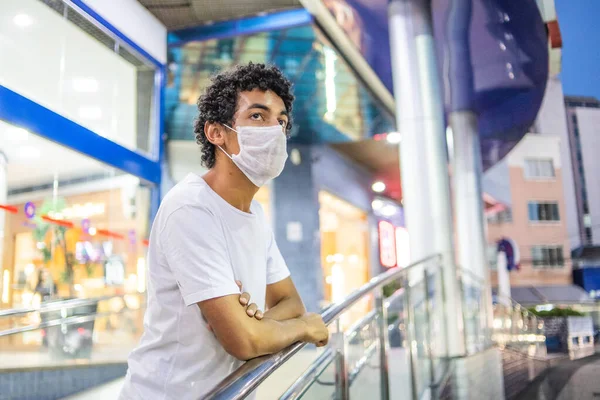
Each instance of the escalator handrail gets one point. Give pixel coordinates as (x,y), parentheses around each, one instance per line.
(251,374)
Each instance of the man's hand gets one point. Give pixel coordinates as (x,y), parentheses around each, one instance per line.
(316,332)
(251,310)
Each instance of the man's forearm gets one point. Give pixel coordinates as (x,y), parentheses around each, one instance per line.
(288,308)
(270,336)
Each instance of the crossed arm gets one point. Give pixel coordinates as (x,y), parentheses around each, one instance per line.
(284,323)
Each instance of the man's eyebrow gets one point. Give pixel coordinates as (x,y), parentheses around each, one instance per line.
(260,106)
(266,108)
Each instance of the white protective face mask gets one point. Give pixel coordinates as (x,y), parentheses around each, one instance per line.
(263,152)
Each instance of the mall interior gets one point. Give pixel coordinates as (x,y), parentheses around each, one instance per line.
(97,103)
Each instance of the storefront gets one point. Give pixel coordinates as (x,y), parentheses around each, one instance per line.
(80,154)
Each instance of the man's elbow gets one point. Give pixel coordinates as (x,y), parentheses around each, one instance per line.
(243,349)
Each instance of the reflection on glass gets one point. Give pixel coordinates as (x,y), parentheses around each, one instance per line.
(73,228)
(344,253)
(331,103)
(109,91)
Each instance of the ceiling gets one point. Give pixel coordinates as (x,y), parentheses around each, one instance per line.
(178,14)
(380,158)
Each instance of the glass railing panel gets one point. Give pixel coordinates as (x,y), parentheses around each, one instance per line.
(105,331)
(322,388)
(420,339)
(437,320)
(363,362)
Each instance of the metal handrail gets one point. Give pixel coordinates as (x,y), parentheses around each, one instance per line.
(250,375)
(57,305)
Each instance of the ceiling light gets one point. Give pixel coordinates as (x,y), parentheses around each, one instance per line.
(90,112)
(16,134)
(394,137)
(377,204)
(85,85)
(29,152)
(378,187)
(23,20)
(389,210)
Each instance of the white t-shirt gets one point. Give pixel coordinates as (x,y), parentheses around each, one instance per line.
(199,246)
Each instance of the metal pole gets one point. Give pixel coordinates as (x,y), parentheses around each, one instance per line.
(410,338)
(423,153)
(461,285)
(383,346)
(429,325)
(342,385)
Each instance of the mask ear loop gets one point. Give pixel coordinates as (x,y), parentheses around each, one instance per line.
(220,148)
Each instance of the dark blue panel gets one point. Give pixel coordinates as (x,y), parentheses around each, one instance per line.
(18,110)
(588,278)
(242,27)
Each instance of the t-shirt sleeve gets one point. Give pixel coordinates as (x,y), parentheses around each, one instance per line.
(277,269)
(194,246)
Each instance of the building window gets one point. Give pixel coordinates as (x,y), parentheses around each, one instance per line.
(543,211)
(588,235)
(535,169)
(547,256)
(502,217)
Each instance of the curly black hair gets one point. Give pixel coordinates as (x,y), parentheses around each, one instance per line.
(218,104)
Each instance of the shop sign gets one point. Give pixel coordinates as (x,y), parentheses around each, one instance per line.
(387,244)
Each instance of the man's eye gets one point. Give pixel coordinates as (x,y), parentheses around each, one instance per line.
(256,116)
(283,123)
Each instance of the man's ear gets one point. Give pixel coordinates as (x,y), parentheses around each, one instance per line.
(214,133)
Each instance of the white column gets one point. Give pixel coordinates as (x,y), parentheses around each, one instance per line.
(468,203)
(503,280)
(423,160)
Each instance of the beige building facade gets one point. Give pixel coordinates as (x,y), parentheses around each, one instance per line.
(535,217)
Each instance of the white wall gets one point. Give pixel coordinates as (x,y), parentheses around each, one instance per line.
(552,121)
(588,120)
(535,146)
(135,22)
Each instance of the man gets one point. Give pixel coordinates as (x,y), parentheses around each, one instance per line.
(210,239)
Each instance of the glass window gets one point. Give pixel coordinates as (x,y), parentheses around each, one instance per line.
(547,256)
(78,221)
(110,90)
(332,104)
(543,211)
(504,216)
(588,235)
(539,169)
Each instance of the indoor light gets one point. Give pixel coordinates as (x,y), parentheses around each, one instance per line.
(90,112)
(22,20)
(394,137)
(16,134)
(85,85)
(29,152)
(378,187)
(377,204)
(141,274)
(5,285)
